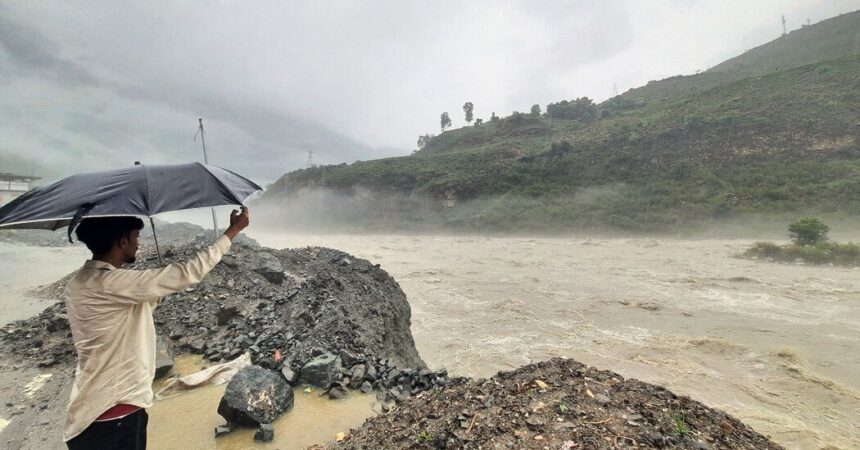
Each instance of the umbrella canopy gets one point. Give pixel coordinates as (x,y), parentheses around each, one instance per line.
(141,190)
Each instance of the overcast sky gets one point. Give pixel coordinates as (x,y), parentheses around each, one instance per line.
(98,84)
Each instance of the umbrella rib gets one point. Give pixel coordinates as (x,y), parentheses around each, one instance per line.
(148,192)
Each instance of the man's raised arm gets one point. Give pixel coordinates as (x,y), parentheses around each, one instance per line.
(138,286)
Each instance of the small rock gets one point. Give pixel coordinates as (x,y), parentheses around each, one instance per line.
(563,426)
(357,375)
(371,373)
(321,371)
(198,346)
(366,387)
(265,433)
(222,430)
(289,374)
(224,314)
(47,362)
(535,423)
(602,399)
(270,268)
(336,393)
(392,376)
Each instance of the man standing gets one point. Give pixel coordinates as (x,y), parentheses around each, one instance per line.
(110,314)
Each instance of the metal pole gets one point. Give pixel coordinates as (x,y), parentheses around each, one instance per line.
(206,161)
(157,250)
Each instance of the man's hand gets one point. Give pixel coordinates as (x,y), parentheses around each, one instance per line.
(238,222)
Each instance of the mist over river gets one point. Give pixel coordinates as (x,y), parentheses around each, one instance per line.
(776,345)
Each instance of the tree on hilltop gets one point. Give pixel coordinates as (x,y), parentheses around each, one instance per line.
(467,108)
(445,121)
(424,141)
(535,112)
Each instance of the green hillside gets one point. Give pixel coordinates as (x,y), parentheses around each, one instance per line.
(833,38)
(777,142)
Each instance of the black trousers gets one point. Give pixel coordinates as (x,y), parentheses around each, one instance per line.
(128,433)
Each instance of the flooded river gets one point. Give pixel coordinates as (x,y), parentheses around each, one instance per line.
(24,267)
(776,345)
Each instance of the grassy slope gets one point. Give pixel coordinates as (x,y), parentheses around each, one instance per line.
(781,142)
(833,38)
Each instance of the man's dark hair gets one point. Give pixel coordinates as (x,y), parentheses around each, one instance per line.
(100,233)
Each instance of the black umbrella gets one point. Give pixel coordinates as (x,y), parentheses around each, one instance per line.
(141,190)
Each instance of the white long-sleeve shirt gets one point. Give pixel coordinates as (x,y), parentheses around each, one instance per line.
(110,314)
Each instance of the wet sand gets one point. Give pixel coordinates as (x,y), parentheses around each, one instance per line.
(776,345)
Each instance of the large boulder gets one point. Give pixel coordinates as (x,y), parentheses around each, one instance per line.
(270,268)
(321,371)
(255,396)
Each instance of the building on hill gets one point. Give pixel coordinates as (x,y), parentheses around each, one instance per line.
(13,186)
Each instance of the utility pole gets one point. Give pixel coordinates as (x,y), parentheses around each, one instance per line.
(784,31)
(311,163)
(201,132)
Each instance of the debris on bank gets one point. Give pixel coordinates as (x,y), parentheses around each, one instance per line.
(556,404)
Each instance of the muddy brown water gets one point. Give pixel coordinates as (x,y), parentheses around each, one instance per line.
(190,418)
(776,345)
(24,267)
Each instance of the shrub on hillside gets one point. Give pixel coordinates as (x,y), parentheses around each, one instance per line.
(517,119)
(559,149)
(582,108)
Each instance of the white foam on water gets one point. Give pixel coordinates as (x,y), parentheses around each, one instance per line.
(3,424)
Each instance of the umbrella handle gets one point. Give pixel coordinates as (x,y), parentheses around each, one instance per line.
(79,215)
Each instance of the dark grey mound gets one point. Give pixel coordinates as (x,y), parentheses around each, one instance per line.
(321,301)
(255,396)
(300,302)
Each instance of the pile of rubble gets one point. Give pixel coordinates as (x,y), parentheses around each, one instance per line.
(557,404)
(317,315)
